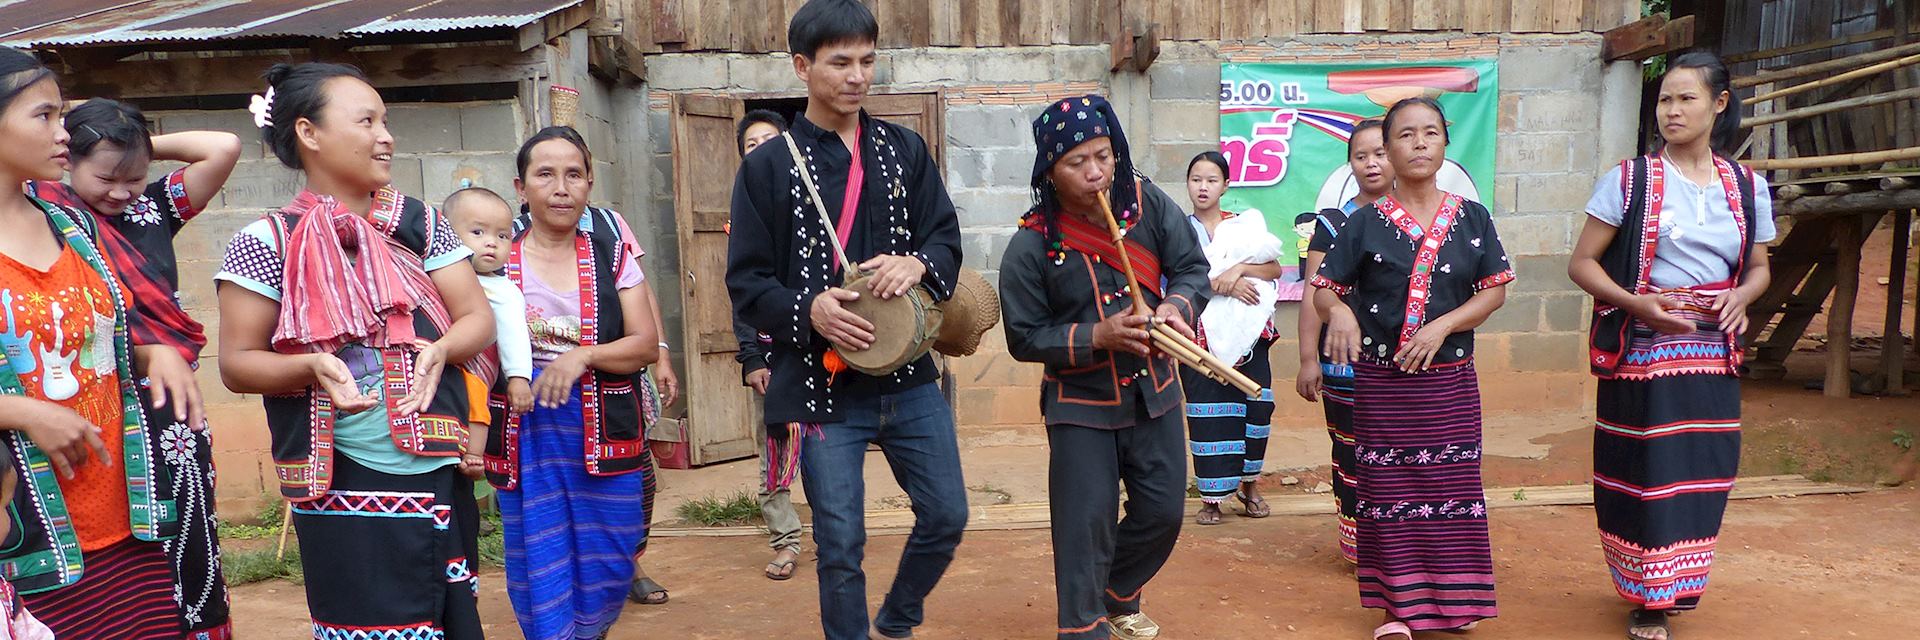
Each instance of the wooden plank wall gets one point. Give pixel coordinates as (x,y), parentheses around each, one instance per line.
(1763,26)
(758,26)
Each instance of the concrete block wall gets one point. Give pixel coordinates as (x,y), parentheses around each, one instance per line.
(437,145)
(1564,117)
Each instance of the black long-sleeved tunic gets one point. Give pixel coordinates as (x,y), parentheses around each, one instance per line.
(779,256)
(1050,310)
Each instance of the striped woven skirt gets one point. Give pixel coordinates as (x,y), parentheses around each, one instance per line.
(1336,399)
(125,593)
(1420,512)
(1227,430)
(391,556)
(570,535)
(1666,448)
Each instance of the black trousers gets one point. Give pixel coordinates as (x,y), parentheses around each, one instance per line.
(1102,562)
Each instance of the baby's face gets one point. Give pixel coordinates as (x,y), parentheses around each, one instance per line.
(487,228)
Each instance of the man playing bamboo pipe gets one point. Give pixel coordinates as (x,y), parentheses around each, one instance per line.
(1112,403)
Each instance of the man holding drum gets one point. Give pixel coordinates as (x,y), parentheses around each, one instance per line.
(1075,301)
(892,222)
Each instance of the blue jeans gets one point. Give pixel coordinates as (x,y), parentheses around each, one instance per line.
(915,431)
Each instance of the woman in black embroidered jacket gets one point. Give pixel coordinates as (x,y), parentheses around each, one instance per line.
(572,471)
(1673,251)
(1402,289)
(344,310)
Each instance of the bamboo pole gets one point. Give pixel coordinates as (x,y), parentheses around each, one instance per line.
(1856,73)
(1830,107)
(1829,66)
(1811,46)
(286,524)
(1835,160)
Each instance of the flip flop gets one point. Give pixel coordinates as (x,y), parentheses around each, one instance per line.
(1645,619)
(1395,628)
(1255,508)
(1206,517)
(780,570)
(644,591)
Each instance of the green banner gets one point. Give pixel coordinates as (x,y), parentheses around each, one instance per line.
(1284,129)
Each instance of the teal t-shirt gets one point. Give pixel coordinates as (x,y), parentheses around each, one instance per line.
(254,262)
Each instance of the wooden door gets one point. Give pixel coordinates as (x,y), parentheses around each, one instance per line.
(920,112)
(720,411)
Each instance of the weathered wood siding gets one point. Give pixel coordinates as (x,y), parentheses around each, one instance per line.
(757,26)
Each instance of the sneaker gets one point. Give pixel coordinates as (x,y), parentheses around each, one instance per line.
(1134,626)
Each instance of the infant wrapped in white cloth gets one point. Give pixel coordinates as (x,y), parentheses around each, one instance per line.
(1233,326)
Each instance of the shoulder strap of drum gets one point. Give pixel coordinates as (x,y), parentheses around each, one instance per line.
(806,177)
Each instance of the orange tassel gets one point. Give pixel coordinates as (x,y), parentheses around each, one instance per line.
(833,364)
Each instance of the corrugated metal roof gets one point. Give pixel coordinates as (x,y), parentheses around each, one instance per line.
(54,23)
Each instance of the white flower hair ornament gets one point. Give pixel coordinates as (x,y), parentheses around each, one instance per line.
(262,108)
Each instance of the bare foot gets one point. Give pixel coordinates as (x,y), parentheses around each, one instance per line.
(1648,625)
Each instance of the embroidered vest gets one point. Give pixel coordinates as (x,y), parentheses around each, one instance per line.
(609,403)
(1628,261)
(42,552)
(301,423)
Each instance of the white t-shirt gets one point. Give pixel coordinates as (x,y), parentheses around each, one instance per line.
(1700,242)
(509,325)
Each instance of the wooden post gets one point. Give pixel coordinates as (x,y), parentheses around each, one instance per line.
(1840,313)
(1893,348)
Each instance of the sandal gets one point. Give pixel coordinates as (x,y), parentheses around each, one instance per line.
(1651,624)
(1256,507)
(1395,628)
(782,569)
(1209,515)
(646,591)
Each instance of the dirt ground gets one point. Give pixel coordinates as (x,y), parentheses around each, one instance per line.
(1827,567)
